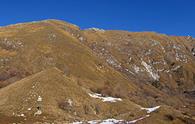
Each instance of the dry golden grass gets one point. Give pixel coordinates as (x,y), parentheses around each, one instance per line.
(66,67)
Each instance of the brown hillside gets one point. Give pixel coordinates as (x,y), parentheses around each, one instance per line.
(56,97)
(142,68)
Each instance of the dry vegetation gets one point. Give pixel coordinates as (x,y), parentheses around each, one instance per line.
(62,64)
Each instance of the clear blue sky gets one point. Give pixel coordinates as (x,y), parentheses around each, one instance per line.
(174,17)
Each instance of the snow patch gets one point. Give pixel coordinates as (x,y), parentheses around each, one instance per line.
(78,122)
(104,99)
(107,121)
(111,121)
(149,110)
(139,119)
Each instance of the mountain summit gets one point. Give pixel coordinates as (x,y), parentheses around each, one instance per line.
(54,72)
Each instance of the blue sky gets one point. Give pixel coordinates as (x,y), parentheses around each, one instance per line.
(173,17)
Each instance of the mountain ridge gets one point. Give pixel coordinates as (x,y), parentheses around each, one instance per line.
(62,21)
(146,69)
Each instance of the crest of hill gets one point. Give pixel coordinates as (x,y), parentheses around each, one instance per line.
(41,22)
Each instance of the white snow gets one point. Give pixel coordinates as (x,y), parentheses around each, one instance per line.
(104,99)
(136,120)
(78,122)
(111,121)
(149,69)
(149,110)
(107,121)
(94,121)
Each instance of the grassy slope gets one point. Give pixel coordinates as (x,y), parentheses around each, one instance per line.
(53,43)
(54,87)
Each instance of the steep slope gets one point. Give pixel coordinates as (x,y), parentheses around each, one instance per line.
(146,68)
(163,62)
(43,45)
(149,56)
(50,95)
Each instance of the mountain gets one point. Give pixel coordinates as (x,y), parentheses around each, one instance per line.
(52,71)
